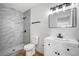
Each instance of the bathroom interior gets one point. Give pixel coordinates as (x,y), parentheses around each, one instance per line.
(39,29)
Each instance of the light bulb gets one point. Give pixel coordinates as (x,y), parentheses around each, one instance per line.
(72,5)
(63,8)
(57,10)
(50,12)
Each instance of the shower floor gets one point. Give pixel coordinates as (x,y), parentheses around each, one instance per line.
(23,52)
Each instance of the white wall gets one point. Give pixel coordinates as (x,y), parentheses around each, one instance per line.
(40,13)
(68,32)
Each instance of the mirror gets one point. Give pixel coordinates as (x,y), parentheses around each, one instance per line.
(63,19)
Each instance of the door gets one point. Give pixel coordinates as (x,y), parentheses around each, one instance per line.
(26,22)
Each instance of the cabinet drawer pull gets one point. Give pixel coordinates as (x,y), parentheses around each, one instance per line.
(58,53)
(68,49)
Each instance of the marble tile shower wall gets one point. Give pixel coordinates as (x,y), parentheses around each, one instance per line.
(11,31)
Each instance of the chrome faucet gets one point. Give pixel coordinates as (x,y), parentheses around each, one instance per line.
(59,36)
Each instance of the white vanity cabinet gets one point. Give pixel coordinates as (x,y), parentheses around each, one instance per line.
(48,48)
(60,48)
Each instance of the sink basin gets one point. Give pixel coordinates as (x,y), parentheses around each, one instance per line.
(64,40)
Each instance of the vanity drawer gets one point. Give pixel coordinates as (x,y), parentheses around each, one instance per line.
(71,51)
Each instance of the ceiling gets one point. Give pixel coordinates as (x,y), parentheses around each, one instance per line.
(20,6)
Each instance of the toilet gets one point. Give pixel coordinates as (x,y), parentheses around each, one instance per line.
(30,48)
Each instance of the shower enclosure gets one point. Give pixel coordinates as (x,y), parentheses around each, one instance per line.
(11,31)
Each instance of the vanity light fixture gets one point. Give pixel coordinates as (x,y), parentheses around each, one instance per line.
(60,7)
